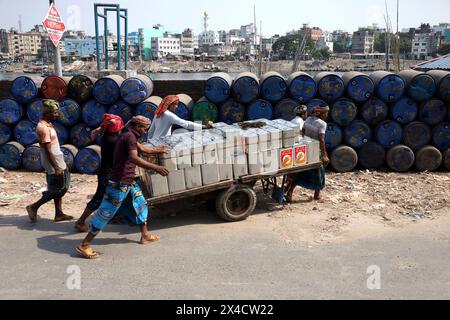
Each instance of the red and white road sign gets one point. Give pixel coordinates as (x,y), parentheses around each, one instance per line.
(54,25)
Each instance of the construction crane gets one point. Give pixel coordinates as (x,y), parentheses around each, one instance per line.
(299,53)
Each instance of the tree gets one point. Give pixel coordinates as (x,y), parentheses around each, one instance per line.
(380,42)
(339,46)
(405,46)
(287,45)
(321,54)
(445,49)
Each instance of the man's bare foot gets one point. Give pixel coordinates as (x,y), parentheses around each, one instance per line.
(81,227)
(32,213)
(149,239)
(62,217)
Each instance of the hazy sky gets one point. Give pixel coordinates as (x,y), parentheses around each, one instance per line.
(277,17)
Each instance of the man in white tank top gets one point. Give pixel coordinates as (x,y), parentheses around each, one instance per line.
(52,160)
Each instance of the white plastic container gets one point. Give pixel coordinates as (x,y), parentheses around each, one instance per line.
(240,166)
(176,181)
(210,173)
(193,177)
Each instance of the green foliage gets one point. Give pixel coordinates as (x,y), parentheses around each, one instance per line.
(445,49)
(339,46)
(288,45)
(380,42)
(321,54)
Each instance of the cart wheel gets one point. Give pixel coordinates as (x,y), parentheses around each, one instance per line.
(236,204)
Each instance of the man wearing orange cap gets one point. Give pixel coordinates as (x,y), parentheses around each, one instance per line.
(165,117)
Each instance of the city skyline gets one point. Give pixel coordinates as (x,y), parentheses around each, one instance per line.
(78,15)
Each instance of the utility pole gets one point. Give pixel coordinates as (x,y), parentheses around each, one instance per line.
(260,48)
(58,68)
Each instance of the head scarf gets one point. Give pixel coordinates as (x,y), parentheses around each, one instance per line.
(50,106)
(111,123)
(301,109)
(165,104)
(318,110)
(140,120)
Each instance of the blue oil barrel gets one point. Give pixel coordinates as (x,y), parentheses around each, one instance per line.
(428,159)
(218,87)
(92,113)
(389,87)
(343,111)
(285,110)
(80,135)
(231,112)
(333,136)
(205,111)
(80,88)
(433,112)
(107,90)
(88,160)
(31,158)
(148,107)
(62,132)
(136,89)
(273,87)
(389,133)
(35,110)
(259,109)
(357,134)
(10,111)
(405,110)
(25,132)
(25,89)
(374,111)
(359,86)
(122,110)
(301,87)
(69,112)
(344,159)
(371,156)
(11,155)
(400,158)
(316,102)
(5,133)
(245,87)
(330,86)
(416,135)
(420,86)
(441,136)
(70,152)
(184,109)
(442,80)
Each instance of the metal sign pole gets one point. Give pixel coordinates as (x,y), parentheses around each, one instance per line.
(58,68)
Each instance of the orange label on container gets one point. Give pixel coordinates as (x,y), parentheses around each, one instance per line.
(300,156)
(286,160)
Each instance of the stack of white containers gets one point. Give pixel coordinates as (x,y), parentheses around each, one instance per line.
(226,153)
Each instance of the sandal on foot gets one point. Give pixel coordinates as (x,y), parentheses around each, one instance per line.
(151,239)
(88,253)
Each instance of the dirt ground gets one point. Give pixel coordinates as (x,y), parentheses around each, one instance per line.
(355,204)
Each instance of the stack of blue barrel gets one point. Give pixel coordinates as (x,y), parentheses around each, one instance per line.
(398,121)
(83,101)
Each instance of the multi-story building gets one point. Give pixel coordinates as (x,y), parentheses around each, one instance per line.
(249,33)
(80,47)
(363,42)
(188,42)
(23,44)
(208,38)
(222,36)
(424,44)
(4,47)
(441,27)
(325,42)
(145,37)
(314,33)
(162,47)
(47,51)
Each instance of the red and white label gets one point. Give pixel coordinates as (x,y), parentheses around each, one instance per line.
(286,158)
(54,25)
(300,156)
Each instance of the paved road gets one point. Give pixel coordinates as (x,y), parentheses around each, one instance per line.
(199,257)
